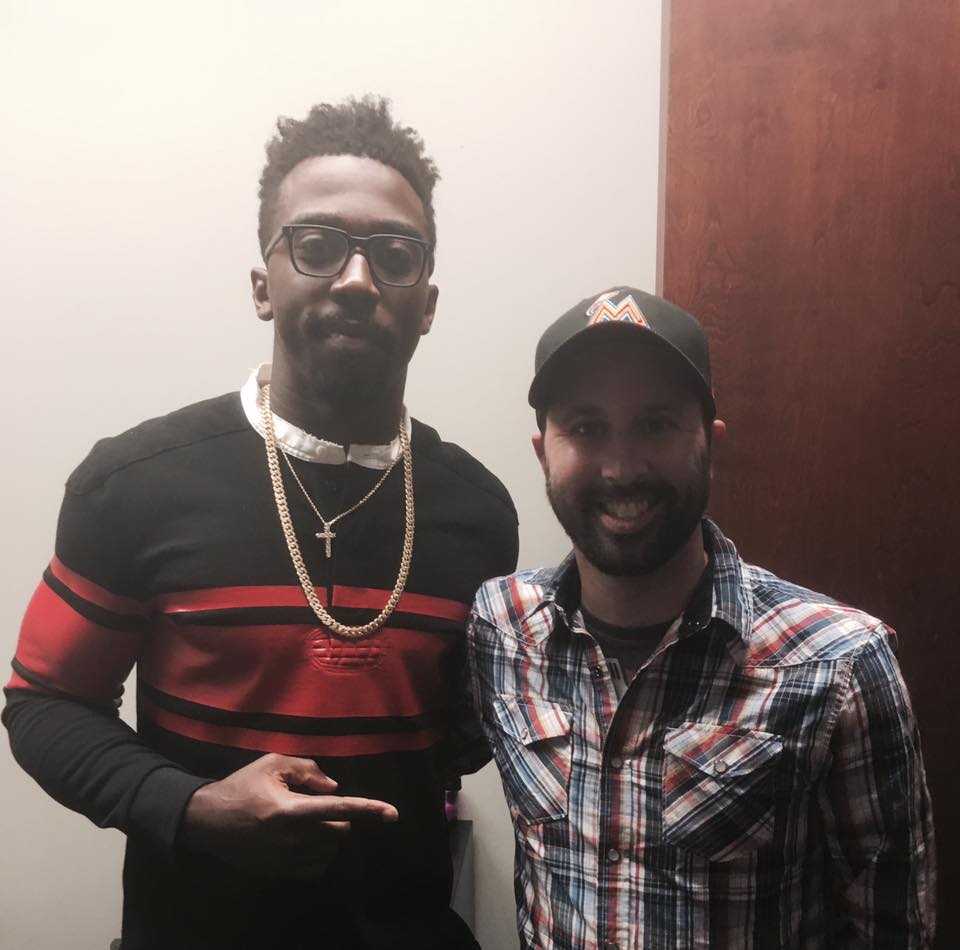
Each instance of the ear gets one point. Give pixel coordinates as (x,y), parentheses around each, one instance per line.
(430,309)
(718,430)
(261,293)
(537,440)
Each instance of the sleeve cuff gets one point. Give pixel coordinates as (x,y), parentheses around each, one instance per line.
(159,805)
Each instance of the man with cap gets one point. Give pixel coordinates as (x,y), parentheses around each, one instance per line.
(695,752)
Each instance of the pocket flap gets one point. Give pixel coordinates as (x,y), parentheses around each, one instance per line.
(531,721)
(722,750)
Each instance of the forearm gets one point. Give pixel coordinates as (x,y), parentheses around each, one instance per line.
(878,813)
(93,763)
(901,915)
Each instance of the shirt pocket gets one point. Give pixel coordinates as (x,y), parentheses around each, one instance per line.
(718,789)
(533,752)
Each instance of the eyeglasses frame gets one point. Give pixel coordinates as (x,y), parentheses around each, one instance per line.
(355,244)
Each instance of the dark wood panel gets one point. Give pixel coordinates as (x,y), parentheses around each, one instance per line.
(812,219)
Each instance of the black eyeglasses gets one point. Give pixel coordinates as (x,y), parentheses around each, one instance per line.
(319,251)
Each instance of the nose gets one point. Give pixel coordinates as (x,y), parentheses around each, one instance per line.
(356,278)
(623,460)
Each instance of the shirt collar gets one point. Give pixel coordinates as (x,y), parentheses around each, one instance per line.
(302,445)
(732,591)
(730,599)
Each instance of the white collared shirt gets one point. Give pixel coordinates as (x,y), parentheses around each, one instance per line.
(302,445)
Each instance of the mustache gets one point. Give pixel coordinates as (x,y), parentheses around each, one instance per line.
(356,323)
(648,488)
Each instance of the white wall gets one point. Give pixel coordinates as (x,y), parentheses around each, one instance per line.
(133,140)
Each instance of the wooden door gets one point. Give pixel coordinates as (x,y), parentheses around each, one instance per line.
(812,220)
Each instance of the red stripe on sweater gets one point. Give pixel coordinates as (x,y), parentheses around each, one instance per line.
(226,598)
(72,653)
(16,681)
(300,670)
(94,593)
(287,743)
(409,603)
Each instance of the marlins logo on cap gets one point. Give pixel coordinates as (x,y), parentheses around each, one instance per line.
(618,311)
(604,310)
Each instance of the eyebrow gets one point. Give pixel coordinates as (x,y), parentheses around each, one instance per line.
(577,409)
(588,409)
(381,226)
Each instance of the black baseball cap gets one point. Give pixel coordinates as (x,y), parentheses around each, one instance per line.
(624,310)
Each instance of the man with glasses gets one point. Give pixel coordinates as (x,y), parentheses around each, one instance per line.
(289,568)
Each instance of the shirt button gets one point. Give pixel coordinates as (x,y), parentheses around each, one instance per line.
(616,762)
(720,767)
(613,855)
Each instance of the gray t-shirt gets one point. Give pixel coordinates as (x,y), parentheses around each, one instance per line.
(629,646)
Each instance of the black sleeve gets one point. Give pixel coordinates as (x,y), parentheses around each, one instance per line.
(91,761)
(81,635)
(469,750)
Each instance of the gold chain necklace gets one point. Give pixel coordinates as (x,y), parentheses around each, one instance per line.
(276,480)
(327,535)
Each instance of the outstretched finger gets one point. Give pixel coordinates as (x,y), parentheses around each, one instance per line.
(335,808)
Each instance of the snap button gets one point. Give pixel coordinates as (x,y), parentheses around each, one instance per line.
(720,767)
(597,672)
(613,855)
(525,734)
(616,762)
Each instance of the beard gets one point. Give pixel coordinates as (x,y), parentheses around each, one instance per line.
(342,374)
(680,509)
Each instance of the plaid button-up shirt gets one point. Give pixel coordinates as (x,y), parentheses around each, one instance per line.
(759,785)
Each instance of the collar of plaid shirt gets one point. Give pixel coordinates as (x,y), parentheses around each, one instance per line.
(729,599)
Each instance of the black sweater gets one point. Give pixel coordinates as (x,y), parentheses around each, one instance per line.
(170,556)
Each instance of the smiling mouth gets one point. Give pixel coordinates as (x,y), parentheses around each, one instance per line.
(627,515)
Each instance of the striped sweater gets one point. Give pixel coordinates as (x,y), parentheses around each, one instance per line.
(170,559)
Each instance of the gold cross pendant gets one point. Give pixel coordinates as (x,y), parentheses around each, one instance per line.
(327,537)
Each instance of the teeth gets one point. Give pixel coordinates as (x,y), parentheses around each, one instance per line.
(626,509)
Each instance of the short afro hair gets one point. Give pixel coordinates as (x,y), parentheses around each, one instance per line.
(362,127)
